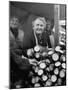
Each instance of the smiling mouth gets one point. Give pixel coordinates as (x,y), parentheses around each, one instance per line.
(39,30)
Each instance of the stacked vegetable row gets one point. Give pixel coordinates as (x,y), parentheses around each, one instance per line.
(50,69)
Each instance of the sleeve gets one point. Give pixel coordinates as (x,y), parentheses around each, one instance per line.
(21,62)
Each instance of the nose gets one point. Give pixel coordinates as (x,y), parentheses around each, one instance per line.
(39,26)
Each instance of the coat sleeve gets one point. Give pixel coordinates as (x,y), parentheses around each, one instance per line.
(16,54)
(21,62)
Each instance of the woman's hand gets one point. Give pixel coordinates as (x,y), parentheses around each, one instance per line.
(33,62)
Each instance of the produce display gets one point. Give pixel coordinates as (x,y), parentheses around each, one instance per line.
(50,70)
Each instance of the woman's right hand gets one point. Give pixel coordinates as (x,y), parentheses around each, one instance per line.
(33,62)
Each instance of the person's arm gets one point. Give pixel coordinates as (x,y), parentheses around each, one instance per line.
(16,53)
(22,62)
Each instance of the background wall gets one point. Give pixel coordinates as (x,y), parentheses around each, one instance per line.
(27,12)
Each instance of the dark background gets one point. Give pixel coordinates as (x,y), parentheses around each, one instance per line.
(20,9)
(27,12)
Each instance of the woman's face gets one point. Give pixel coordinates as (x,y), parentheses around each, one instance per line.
(14,22)
(39,26)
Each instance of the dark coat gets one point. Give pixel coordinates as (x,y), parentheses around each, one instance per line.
(16,52)
(19,67)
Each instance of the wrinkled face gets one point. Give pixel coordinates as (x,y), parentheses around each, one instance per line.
(14,22)
(38,26)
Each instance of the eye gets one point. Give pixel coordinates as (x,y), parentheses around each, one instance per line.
(41,25)
(37,25)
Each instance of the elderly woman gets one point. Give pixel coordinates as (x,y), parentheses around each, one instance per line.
(40,33)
